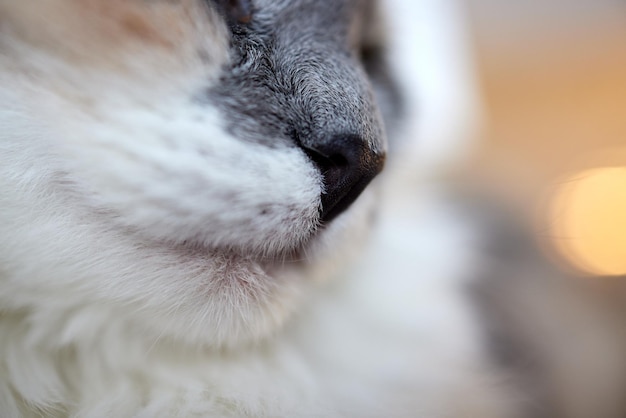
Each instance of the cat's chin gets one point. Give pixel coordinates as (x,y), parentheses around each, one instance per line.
(222,298)
(227,298)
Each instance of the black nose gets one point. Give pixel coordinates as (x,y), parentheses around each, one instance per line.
(348,164)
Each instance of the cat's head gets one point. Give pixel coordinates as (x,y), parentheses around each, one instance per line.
(192,144)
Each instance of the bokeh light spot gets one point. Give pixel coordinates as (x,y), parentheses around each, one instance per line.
(589,220)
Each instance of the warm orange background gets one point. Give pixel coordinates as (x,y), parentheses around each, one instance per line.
(553,78)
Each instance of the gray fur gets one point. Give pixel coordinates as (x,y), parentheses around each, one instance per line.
(295,77)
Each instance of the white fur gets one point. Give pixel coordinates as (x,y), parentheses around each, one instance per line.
(144,268)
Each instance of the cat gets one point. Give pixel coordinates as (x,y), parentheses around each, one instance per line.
(187,194)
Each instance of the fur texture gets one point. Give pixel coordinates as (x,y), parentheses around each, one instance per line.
(162,252)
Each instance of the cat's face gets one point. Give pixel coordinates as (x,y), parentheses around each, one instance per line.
(233,133)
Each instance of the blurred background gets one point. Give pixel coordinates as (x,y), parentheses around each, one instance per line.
(551,150)
(552,77)
(541,88)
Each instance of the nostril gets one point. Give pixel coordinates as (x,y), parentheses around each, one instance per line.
(347,164)
(333,167)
